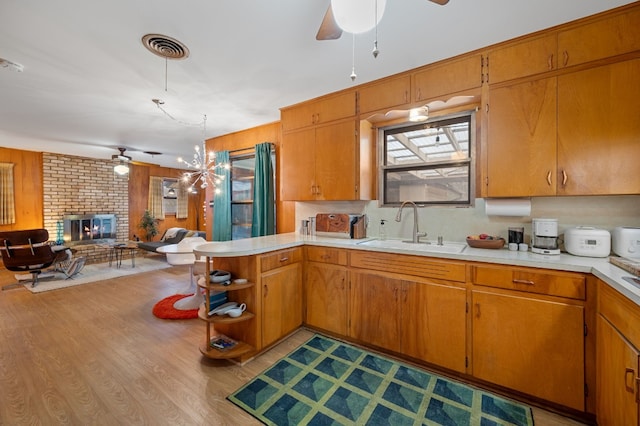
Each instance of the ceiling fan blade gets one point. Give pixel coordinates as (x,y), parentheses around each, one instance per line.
(440,2)
(329,29)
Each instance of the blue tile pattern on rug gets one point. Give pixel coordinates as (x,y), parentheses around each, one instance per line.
(325,382)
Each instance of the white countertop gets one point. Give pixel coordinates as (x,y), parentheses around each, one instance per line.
(600,267)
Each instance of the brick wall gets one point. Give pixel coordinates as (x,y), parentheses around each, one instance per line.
(78,185)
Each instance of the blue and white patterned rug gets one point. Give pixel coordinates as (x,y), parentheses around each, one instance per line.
(327,382)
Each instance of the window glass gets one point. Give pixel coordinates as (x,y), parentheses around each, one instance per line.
(242,177)
(170,195)
(428,163)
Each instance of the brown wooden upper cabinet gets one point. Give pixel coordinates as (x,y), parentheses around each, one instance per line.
(602,38)
(447,78)
(321,163)
(598,128)
(388,93)
(574,134)
(521,59)
(319,111)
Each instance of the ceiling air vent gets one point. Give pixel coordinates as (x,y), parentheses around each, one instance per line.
(165,47)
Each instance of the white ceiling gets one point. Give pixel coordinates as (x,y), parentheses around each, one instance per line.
(88,81)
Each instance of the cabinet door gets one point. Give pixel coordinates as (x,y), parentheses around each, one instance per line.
(336,107)
(533,346)
(616,370)
(447,78)
(326,297)
(297,165)
(521,157)
(318,111)
(603,38)
(298,116)
(598,128)
(390,93)
(375,311)
(529,57)
(336,161)
(434,324)
(282,302)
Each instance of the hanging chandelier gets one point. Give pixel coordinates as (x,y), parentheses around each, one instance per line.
(205,170)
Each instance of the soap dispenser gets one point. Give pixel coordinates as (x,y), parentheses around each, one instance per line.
(383,231)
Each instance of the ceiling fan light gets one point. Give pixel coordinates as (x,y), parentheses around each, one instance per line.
(121,169)
(357,16)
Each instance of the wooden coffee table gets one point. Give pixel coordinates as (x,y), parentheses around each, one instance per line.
(119,249)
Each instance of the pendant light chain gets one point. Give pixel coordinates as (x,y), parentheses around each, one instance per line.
(353,59)
(375,42)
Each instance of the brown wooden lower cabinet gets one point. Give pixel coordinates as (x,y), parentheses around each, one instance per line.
(281,302)
(413,317)
(521,328)
(434,324)
(617,359)
(617,372)
(326,295)
(530,345)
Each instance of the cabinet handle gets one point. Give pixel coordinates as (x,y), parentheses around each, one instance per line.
(318,192)
(418,95)
(313,189)
(395,294)
(477,310)
(284,259)
(565,58)
(564,178)
(525,282)
(550,61)
(549,178)
(342,284)
(629,385)
(406,96)
(266,290)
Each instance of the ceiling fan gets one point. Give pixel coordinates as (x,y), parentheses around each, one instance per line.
(330,30)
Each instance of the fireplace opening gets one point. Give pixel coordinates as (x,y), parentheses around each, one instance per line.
(89,229)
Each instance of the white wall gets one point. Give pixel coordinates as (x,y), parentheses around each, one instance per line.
(454,224)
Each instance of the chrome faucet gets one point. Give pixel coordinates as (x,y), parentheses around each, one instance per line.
(416,233)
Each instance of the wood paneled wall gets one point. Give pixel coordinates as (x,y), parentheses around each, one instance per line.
(247,139)
(139,174)
(29,193)
(28,184)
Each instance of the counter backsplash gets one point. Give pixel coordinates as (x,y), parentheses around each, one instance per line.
(454,224)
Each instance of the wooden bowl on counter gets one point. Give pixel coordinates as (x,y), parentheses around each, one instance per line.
(495,243)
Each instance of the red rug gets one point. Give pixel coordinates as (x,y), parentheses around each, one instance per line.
(164,309)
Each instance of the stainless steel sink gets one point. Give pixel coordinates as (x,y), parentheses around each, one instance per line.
(424,246)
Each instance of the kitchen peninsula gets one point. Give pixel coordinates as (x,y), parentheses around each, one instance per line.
(457,306)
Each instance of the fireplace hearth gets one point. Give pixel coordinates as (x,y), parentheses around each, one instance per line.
(89,229)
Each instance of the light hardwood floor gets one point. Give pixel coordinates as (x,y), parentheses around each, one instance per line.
(95,355)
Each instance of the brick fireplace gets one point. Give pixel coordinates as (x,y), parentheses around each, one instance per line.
(78,186)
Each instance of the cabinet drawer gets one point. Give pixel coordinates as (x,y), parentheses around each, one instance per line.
(411,265)
(280,258)
(563,284)
(327,255)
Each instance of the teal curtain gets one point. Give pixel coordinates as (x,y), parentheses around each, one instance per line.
(222,200)
(264,208)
